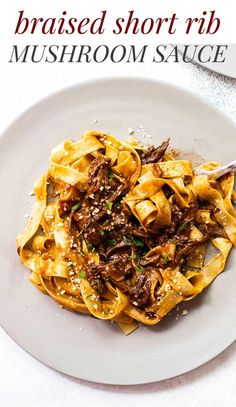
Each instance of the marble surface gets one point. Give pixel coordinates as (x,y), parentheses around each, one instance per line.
(24,381)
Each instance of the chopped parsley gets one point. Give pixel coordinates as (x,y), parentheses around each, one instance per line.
(139,269)
(102,232)
(135,257)
(89,295)
(132,257)
(111,175)
(76,206)
(183,226)
(112,242)
(124,238)
(82,275)
(91,247)
(165,258)
(138,243)
(109,205)
(83,253)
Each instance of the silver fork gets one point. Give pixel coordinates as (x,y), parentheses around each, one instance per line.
(218,172)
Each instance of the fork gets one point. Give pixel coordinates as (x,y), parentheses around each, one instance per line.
(218,172)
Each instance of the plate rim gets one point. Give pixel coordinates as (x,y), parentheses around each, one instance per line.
(106,78)
(208,359)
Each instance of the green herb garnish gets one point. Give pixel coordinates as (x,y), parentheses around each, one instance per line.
(109,205)
(139,269)
(132,257)
(91,247)
(165,258)
(124,238)
(83,275)
(76,206)
(138,243)
(112,242)
(83,253)
(135,257)
(102,232)
(89,295)
(183,226)
(111,175)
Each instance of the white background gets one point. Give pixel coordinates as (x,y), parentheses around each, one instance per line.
(23,380)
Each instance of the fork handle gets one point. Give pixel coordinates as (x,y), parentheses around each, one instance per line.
(224,169)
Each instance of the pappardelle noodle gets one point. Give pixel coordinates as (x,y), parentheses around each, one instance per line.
(120,231)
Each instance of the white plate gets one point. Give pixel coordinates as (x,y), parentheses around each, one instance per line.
(227,68)
(79,345)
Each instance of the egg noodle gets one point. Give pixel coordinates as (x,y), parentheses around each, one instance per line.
(123,237)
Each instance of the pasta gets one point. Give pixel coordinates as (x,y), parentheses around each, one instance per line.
(120,231)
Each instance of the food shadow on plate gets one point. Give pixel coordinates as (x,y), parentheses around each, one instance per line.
(179,313)
(175,316)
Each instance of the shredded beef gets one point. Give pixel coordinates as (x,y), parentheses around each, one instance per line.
(64,207)
(190,213)
(98,173)
(212,231)
(153,154)
(184,251)
(118,247)
(93,272)
(109,228)
(176,221)
(152,260)
(97,274)
(140,294)
(137,231)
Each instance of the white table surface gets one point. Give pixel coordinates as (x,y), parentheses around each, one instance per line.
(26,382)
